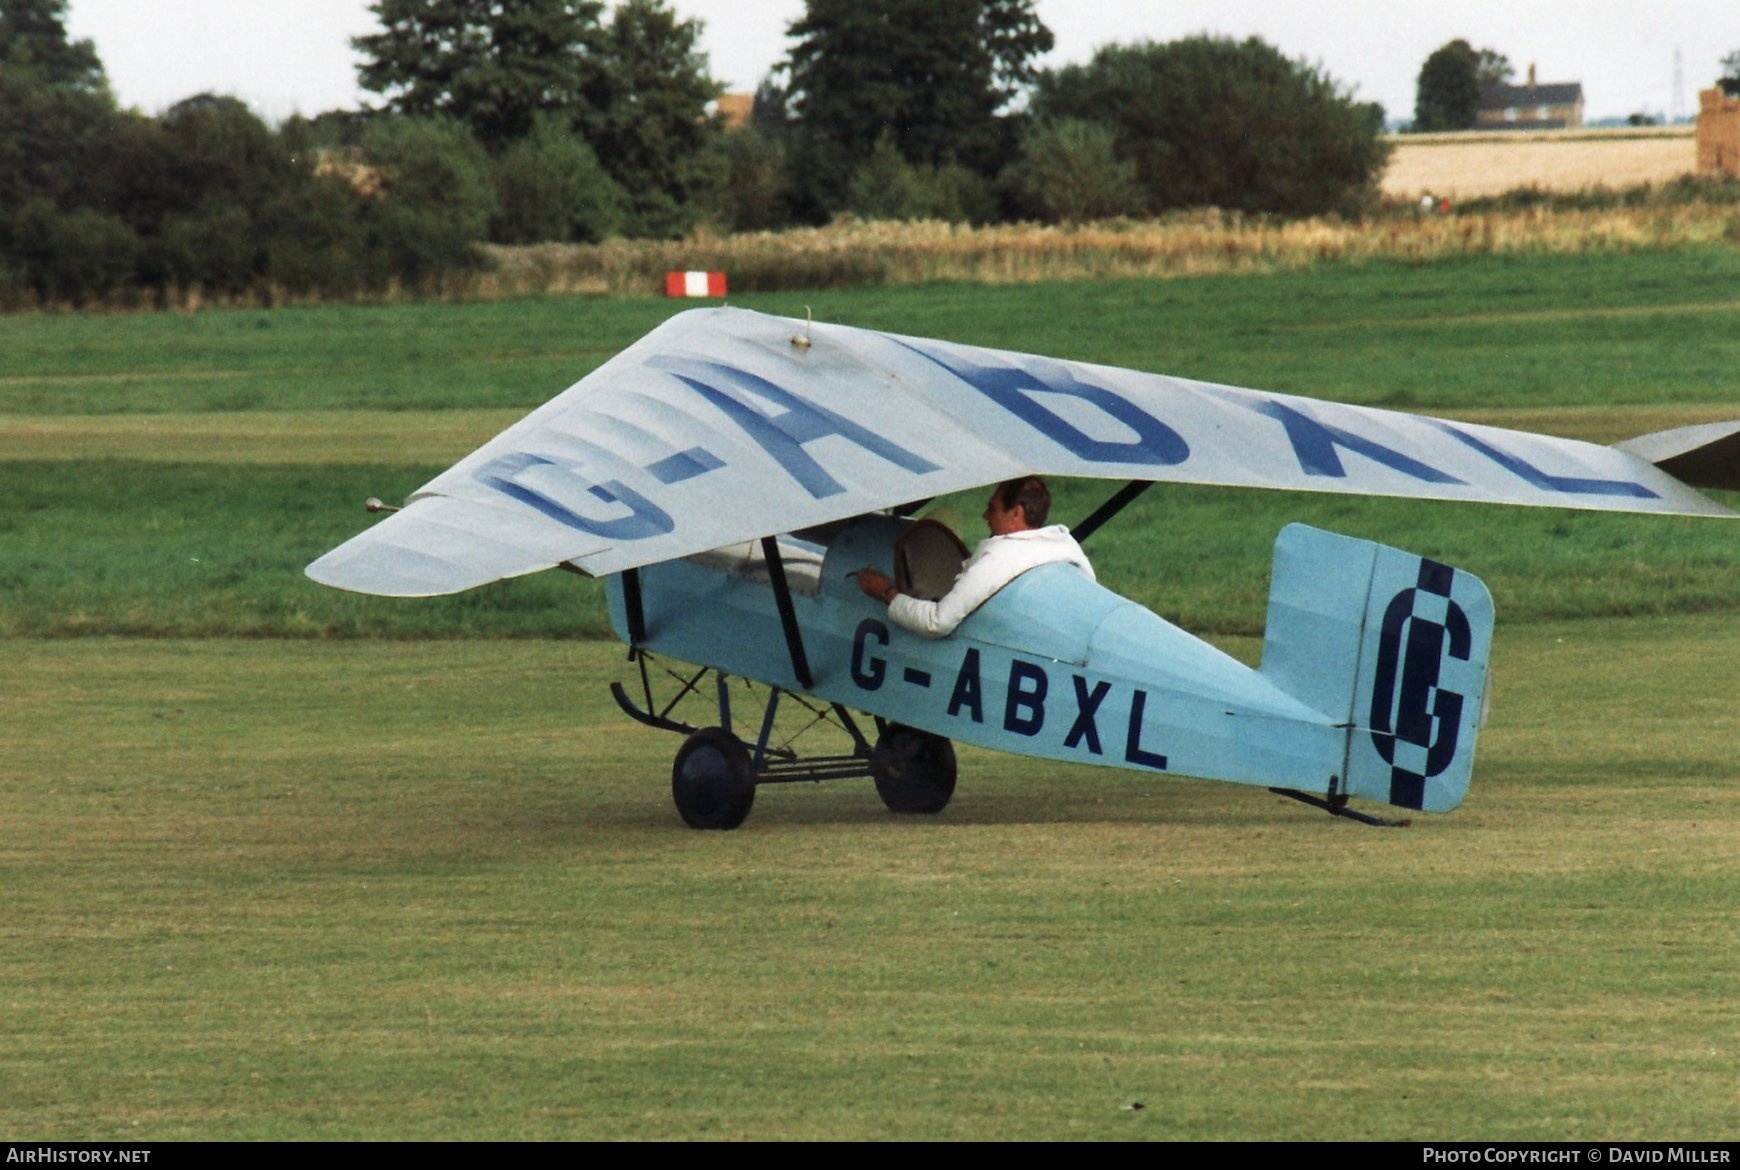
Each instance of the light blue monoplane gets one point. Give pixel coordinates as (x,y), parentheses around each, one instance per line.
(730,471)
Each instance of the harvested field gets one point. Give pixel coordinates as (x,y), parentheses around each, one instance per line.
(1473,165)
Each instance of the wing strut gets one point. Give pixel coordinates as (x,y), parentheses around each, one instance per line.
(630,600)
(632,603)
(1110,508)
(794,642)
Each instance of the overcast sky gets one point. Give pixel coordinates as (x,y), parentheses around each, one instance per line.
(294,56)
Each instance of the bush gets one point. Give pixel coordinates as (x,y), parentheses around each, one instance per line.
(313,237)
(1209,121)
(1684,191)
(1070,172)
(435,199)
(74,257)
(886,186)
(212,246)
(748,188)
(94,201)
(550,188)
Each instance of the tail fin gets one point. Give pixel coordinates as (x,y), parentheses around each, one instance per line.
(1393,647)
(1702,456)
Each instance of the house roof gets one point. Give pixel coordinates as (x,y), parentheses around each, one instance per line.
(735,109)
(1504,97)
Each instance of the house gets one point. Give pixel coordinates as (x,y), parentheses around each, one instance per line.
(734,109)
(1545,106)
(1718,132)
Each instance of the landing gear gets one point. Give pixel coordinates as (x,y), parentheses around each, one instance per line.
(914,770)
(712,781)
(715,774)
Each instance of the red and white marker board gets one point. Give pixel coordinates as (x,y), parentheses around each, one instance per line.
(694,284)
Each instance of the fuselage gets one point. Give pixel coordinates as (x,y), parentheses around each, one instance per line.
(1053,666)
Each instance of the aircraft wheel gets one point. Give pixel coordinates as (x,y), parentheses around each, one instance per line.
(711,780)
(914,770)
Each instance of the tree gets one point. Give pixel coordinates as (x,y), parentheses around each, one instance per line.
(56,116)
(1447,95)
(490,65)
(45,132)
(220,149)
(1209,121)
(651,124)
(932,74)
(226,203)
(53,102)
(1730,79)
(635,90)
(771,111)
(33,37)
(1491,68)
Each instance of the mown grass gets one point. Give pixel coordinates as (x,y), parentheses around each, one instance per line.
(210,549)
(153,489)
(1458,335)
(333,885)
(386,357)
(396,890)
(207,549)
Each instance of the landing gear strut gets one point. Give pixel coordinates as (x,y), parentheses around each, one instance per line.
(715,773)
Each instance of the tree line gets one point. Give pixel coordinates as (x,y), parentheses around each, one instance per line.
(556,120)
(1451,82)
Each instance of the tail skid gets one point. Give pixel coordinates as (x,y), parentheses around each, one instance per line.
(1391,646)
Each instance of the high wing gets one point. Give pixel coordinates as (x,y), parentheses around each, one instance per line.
(724,425)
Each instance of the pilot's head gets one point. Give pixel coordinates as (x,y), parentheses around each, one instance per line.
(1017,505)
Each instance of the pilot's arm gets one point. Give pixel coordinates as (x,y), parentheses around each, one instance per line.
(931,619)
(994,564)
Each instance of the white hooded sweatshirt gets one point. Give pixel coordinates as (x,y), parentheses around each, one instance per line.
(997,561)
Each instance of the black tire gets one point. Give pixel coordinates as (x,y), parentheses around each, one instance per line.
(711,780)
(914,770)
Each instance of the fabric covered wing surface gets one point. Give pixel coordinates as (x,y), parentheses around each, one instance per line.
(717,428)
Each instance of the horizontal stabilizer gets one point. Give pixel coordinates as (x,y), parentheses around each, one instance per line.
(1703,456)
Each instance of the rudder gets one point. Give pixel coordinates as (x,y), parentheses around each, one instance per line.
(1392,646)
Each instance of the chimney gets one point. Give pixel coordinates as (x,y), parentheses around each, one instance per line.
(1531,74)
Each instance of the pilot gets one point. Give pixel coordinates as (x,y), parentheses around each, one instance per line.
(1019,540)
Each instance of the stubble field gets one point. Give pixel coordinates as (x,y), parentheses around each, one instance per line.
(1477,165)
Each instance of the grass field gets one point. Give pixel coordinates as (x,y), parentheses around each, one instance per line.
(285,863)
(172,474)
(436,890)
